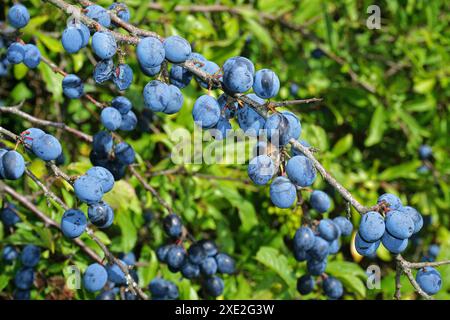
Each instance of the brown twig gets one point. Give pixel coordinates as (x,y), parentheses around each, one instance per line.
(45,123)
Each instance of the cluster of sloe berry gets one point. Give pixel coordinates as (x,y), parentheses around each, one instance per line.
(18,52)
(119,115)
(76,36)
(90,189)
(43,145)
(393,230)
(202,259)
(117,280)
(162,289)
(115,158)
(314,245)
(300,172)
(24,278)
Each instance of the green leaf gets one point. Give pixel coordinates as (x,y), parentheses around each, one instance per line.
(424,85)
(20,71)
(53,81)
(4,279)
(20,93)
(404,170)
(260,33)
(343,145)
(128,230)
(150,261)
(51,43)
(350,274)
(377,127)
(271,258)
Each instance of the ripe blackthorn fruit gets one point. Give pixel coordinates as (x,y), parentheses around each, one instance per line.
(123,77)
(18,16)
(173,226)
(101,214)
(104,45)
(103,71)
(393,244)
(301,171)
(305,284)
(176,256)
(47,147)
(238,74)
(9,216)
(30,255)
(24,278)
(391,200)
(372,226)
(333,288)
(304,239)
(214,286)
(282,192)
(319,251)
(415,216)
(150,52)
(73,87)
(73,223)
(72,39)
(365,248)
(13,165)
(103,176)
(99,14)
(124,153)
(32,56)
(266,84)
(248,119)
(115,273)
(399,224)
(328,230)
(111,118)
(95,277)
(261,169)
(15,53)
(121,11)
(225,264)
(190,270)
(9,253)
(429,280)
(88,189)
(208,267)
(320,201)
(177,49)
(345,226)
(206,112)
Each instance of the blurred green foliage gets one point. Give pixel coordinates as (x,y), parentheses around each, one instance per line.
(368,140)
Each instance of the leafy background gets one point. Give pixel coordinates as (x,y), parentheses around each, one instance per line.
(368,140)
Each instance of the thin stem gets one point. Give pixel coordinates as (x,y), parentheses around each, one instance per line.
(151,189)
(329,178)
(45,123)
